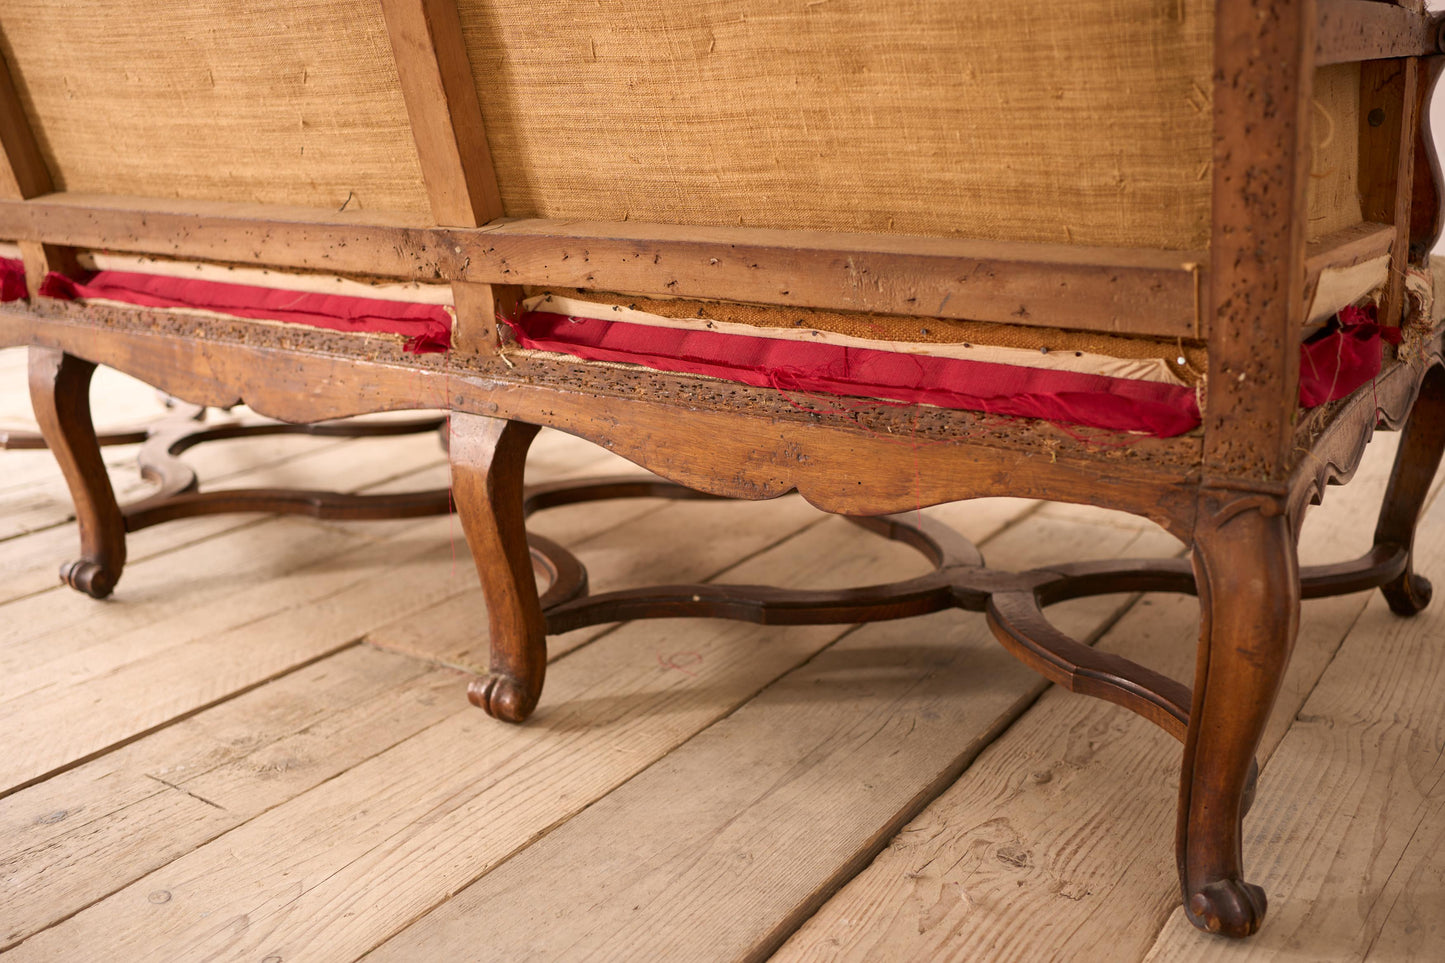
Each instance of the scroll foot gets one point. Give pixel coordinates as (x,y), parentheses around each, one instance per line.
(502,697)
(88,576)
(1408,595)
(1229,907)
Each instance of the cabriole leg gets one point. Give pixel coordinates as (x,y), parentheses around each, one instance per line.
(488,456)
(1248,577)
(60,395)
(1416,461)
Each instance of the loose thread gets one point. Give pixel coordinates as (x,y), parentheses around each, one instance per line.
(452,515)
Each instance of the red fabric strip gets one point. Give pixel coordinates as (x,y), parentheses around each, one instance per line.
(1338,362)
(12,279)
(1331,367)
(1063,396)
(427,327)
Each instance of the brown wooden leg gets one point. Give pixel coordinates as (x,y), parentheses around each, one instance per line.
(60,395)
(488,456)
(1248,576)
(1421,446)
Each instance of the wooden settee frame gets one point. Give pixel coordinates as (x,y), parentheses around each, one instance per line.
(1235,492)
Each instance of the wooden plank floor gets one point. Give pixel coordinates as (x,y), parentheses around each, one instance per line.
(260,749)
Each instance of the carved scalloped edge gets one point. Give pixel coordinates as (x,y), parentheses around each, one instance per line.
(927,424)
(1335,454)
(837,463)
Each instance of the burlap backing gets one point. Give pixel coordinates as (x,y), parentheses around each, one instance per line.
(1026,120)
(1023,120)
(275,101)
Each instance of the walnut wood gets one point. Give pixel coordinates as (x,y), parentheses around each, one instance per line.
(1359,242)
(480,308)
(42,259)
(742,443)
(1352,30)
(1389,100)
(566,575)
(440,91)
(1377,568)
(1382,564)
(1013,601)
(1352,245)
(938,543)
(18,440)
(1018,623)
(1416,462)
(60,395)
(1236,495)
(1249,591)
(512,689)
(335,506)
(488,456)
(1262,85)
(1336,446)
(1122,290)
(1425,207)
(576,492)
(24,174)
(765,605)
(1242,541)
(1055,285)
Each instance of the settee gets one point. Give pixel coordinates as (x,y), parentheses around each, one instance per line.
(1166,258)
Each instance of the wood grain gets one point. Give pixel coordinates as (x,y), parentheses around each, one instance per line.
(446,118)
(27,565)
(448,804)
(148,802)
(24,174)
(81,835)
(609,541)
(1092,839)
(1369,30)
(1351,246)
(60,395)
(1104,289)
(451,144)
(802,786)
(145,678)
(758,445)
(1053,843)
(1389,126)
(1262,84)
(1351,815)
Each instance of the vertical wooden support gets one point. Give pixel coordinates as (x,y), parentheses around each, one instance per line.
(1247,573)
(1418,458)
(1425,201)
(451,144)
(1243,548)
(60,395)
(23,175)
(1389,122)
(489,457)
(1263,77)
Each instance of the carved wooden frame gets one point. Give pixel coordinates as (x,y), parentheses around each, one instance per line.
(1235,494)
